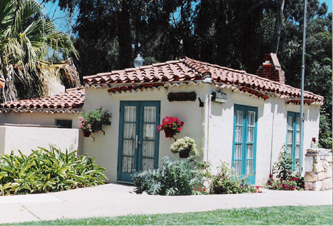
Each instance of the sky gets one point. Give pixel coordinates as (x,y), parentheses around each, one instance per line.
(59,17)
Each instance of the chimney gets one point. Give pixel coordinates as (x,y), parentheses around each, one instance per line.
(271,69)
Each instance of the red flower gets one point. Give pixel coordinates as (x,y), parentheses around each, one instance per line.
(270,183)
(204,189)
(270,175)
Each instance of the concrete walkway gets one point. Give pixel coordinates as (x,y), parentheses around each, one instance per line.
(117,200)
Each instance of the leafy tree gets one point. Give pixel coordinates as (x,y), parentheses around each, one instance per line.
(232,33)
(26,40)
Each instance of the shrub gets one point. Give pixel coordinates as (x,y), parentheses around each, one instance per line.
(175,177)
(227,182)
(286,177)
(47,171)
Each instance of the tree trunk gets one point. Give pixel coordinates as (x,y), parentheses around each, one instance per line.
(124,37)
(278,25)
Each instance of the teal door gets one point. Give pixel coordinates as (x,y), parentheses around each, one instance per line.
(244,141)
(138,137)
(294,137)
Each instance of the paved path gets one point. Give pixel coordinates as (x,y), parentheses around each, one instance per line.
(117,200)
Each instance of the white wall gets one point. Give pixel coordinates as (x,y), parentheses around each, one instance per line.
(14,138)
(105,148)
(271,130)
(214,117)
(45,119)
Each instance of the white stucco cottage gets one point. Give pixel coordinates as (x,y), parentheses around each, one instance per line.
(236,117)
(240,118)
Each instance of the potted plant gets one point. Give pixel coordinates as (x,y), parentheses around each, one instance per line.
(93,120)
(185,147)
(170,125)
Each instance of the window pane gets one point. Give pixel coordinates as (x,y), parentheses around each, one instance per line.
(250,134)
(239,118)
(298,137)
(238,151)
(289,147)
(149,131)
(130,113)
(290,137)
(238,168)
(249,167)
(249,151)
(298,126)
(129,130)
(290,122)
(239,134)
(127,164)
(149,114)
(147,164)
(128,147)
(148,149)
(297,151)
(251,118)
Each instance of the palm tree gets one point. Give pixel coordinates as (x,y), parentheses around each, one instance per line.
(27,40)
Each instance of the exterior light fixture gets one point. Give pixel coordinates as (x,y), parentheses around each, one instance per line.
(138,61)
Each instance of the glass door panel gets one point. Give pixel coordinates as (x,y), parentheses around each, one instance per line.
(244,145)
(293,137)
(138,137)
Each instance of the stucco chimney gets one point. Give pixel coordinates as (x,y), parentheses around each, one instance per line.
(271,69)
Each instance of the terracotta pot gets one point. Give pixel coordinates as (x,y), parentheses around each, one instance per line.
(86,133)
(169,133)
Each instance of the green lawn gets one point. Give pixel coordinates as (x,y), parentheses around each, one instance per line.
(311,215)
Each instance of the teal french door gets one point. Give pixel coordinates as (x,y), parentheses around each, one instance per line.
(294,137)
(138,137)
(244,141)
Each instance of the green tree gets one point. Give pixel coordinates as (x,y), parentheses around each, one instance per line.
(26,40)
(232,33)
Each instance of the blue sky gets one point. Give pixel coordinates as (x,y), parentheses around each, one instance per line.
(54,12)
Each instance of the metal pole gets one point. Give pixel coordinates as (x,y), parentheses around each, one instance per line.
(302,90)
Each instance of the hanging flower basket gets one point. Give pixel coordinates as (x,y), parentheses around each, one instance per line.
(171,126)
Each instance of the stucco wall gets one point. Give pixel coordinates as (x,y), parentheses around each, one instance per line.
(105,147)
(14,138)
(271,130)
(214,117)
(45,119)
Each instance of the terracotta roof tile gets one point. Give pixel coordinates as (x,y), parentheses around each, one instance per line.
(186,69)
(70,101)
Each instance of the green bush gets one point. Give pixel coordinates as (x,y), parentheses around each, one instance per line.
(286,177)
(47,171)
(227,182)
(175,177)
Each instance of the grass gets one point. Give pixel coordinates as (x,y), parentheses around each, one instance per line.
(285,215)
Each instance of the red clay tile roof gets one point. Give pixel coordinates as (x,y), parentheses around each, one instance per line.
(70,101)
(187,70)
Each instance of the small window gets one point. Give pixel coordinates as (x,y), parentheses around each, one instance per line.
(64,123)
